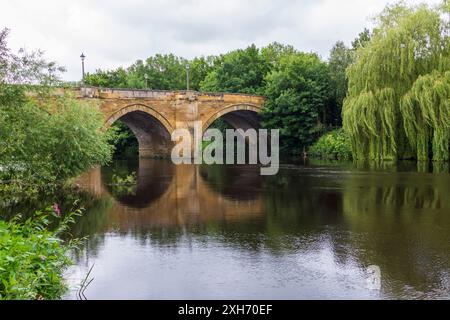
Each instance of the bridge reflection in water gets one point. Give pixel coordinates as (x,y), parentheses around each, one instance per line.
(166,195)
(206,232)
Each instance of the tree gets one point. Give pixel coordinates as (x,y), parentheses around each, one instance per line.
(297,94)
(340,59)
(362,40)
(399,89)
(110,79)
(273,53)
(199,68)
(164,72)
(239,71)
(43,143)
(25,68)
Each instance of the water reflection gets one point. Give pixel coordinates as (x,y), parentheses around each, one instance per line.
(175,196)
(149,181)
(226,232)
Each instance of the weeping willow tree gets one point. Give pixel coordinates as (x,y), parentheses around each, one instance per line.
(399,87)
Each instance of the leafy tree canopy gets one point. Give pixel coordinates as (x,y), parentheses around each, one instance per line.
(399,90)
(298,94)
(240,71)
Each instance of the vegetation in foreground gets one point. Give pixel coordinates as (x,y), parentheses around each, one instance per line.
(33,257)
(44,142)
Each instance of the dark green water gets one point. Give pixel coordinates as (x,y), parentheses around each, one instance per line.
(225,232)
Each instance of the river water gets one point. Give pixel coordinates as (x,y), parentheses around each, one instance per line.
(314,231)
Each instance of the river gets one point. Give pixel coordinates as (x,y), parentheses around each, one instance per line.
(160,231)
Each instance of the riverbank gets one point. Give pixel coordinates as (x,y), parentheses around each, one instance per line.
(33,257)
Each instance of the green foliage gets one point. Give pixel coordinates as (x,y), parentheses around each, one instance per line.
(199,68)
(332,145)
(362,40)
(426,113)
(123,185)
(113,78)
(33,258)
(123,140)
(340,58)
(405,61)
(165,72)
(240,71)
(245,70)
(44,145)
(273,53)
(297,97)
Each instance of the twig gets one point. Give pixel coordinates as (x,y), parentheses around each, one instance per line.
(84,286)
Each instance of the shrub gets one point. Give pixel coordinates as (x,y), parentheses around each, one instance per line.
(41,146)
(332,145)
(33,258)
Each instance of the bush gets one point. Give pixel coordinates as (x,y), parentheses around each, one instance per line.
(332,145)
(41,146)
(32,258)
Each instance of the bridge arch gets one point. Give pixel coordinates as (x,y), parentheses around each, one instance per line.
(239,116)
(151,129)
(138,107)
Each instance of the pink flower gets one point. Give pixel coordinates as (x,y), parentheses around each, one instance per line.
(57,210)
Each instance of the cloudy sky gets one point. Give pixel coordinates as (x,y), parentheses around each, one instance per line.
(115,33)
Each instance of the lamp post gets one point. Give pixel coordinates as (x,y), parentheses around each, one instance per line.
(146,80)
(82,67)
(187,77)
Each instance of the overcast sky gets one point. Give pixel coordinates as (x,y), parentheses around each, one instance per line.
(114,33)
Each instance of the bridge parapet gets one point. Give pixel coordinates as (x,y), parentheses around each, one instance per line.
(114,93)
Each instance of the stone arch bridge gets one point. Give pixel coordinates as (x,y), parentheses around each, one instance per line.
(154,115)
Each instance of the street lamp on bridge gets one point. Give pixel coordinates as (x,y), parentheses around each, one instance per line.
(146,80)
(82,67)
